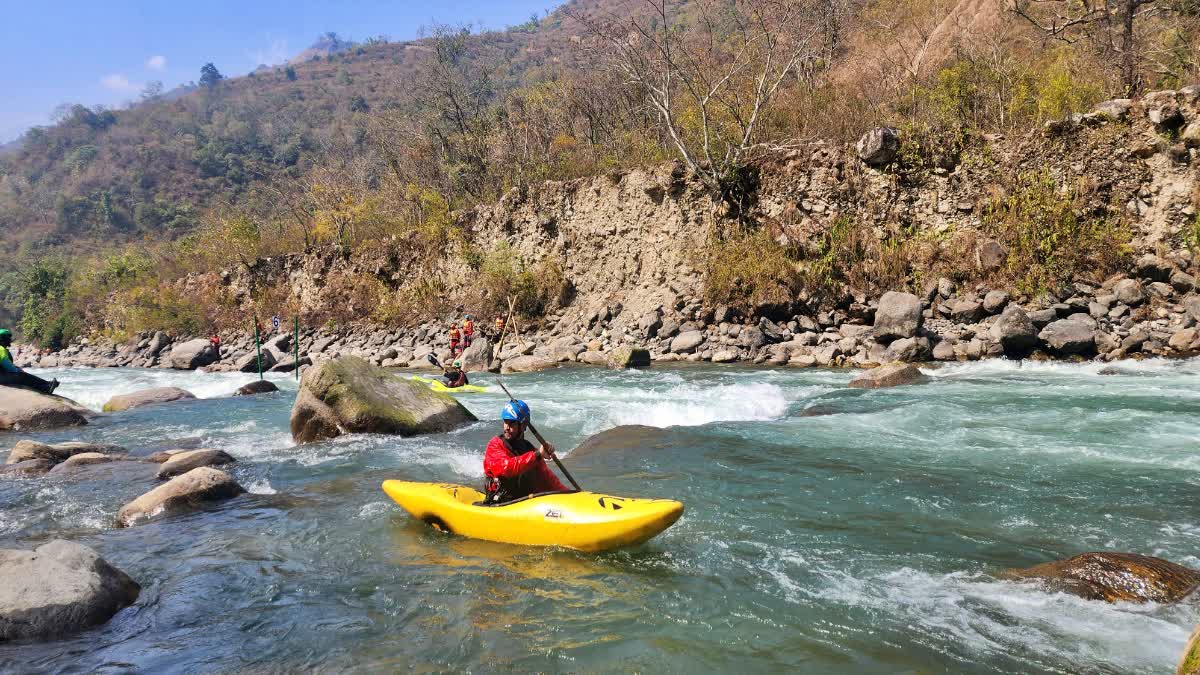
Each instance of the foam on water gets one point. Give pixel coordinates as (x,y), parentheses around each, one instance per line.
(93,387)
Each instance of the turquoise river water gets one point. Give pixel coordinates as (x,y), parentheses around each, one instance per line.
(827,530)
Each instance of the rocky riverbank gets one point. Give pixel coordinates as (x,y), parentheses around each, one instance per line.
(1152,311)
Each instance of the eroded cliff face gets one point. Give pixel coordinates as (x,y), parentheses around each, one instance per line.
(634,238)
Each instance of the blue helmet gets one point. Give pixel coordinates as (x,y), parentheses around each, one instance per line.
(515,411)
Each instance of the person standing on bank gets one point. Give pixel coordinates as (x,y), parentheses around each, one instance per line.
(512,466)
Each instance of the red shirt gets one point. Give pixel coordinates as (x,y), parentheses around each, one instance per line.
(499,463)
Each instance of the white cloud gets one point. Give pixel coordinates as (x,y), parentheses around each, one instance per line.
(117,82)
(156,62)
(274,54)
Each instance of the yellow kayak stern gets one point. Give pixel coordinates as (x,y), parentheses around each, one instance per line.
(586,521)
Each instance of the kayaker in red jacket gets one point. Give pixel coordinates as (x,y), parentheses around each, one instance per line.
(514,468)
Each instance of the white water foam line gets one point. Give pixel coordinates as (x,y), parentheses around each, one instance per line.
(93,387)
(991,617)
(691,405)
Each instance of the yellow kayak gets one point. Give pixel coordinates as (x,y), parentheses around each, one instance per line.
(438,385)
(586,521)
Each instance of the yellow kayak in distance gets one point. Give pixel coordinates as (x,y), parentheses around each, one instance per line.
(438,385)
(585,521)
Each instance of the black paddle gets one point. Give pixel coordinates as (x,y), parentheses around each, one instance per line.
(541,439)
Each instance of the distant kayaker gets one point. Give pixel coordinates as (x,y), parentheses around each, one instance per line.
(13,376)
(514,468)
(455,375)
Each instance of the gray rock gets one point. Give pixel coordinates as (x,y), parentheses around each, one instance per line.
(944,351)
(1116,109)
(878,147)
(29,467)
(891,375)
(994,301)
(527,364)
(289,364)
(256,387)
(899,316)
(1162,107)
(687,342)
(157,343)
(909,350)
(183,462)
(1042,317)
(1183,340)
(966,311)
(1191,305)
(1129,292)
(84,459)
(1183,282)
(751,337)
(58,589)
(193,354)
(144,397)
(477,357)
(249,363)
(627,356)
(725,355)
(27,410)
(1015,332)
(1067,337)
(990,255)
(191,489)
(1154,268)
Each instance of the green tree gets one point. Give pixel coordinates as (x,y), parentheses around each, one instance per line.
(210,76)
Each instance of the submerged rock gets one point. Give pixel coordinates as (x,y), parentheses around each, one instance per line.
(27,410)
(256,387)
(58,589)
(83,459)
(1113,577)
(195,487)
(891,375)
(27,449)
(349,395)
(153,396)
(28,467)
(635,437)
(183,462)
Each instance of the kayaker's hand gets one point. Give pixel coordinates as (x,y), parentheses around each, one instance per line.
(547,451)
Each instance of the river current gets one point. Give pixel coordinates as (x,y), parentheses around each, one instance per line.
(827,529)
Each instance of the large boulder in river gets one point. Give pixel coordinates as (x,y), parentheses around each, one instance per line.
(899,316)
(1114,577)
(26,450)
(348,395)
(183,462)
(627,438)
(27,410)
(83,459)
(193,354)
(1015,332)
(137,399)
(890,375)
(477,357)
(57,589)
(687,341)
(626,356)
(193,488)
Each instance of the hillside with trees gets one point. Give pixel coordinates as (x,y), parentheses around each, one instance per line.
(359,146)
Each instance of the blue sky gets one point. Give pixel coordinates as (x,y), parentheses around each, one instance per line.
(104,52)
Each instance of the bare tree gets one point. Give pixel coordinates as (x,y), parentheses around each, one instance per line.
(710,76)
(1109,26)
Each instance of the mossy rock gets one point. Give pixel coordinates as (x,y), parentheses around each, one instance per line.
(1190,663)
(349,395)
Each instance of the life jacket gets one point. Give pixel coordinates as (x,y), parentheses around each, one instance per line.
(4,354)
(468,327)
(454,334)
(499,324)
(499,490)
(456,378)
